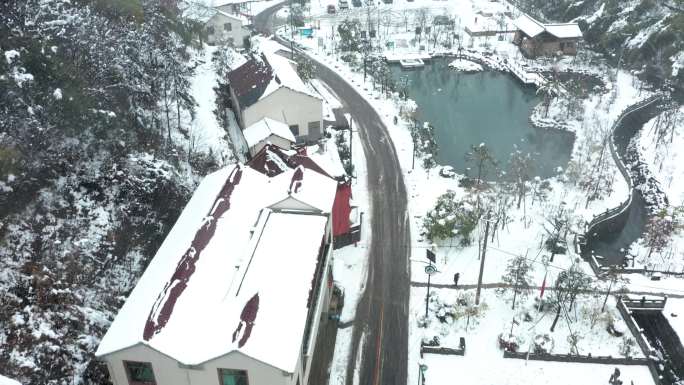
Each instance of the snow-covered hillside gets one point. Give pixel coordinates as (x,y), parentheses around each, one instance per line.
(106,125)
(644,35)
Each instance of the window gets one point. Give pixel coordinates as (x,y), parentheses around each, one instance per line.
(210,30)
(295,129)
(228,27)
(139,373)
(233,377)
(315,127)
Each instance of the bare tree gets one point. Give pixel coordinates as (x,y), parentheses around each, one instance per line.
(569,284)
(483,161)
(518,275)
(520,166)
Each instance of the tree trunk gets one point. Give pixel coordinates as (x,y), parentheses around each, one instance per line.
(555,320)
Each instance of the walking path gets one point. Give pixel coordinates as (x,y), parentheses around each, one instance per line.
(501,285)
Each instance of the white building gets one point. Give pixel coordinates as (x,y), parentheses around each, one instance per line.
(267,86)
(267,131)
(226,28)
(236,292)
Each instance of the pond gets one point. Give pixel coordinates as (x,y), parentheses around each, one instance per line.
(486,107)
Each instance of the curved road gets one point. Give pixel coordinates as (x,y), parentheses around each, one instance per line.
(380,334)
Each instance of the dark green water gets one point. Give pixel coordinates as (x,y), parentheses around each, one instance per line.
(486,107)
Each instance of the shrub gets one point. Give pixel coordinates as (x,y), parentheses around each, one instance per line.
(451,218)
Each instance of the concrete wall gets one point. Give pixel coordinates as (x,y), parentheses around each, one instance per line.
(236,35)
(273,139)
(167,371)
(291,107)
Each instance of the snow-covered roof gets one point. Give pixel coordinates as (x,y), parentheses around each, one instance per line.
(564,31)
(285,75)
(242,19)
(227,246)
(328,158)
(263,75)
(532,28)
(8,381)
(203,13)
(220,3)
(266,127)
(528,25)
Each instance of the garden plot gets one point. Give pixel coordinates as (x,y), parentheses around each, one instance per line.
(481,326)
(583,330)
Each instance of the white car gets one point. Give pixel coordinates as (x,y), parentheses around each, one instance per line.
(343,4)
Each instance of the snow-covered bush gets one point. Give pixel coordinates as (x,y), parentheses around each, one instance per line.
(617,327)
(510,342)
(543,344)
(628,346)
(451,218)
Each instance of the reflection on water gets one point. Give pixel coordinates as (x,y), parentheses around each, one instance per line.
(486,107)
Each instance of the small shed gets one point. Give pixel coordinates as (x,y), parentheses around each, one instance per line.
(267,131)
(538,39)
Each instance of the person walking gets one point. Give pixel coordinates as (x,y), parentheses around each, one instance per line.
(456,277)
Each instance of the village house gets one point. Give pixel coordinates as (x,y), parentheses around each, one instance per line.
(267,86)
(237,291)
(267,131)
(538,39)
(236,7)
(226,28)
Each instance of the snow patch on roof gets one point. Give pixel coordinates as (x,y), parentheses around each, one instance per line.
(264,128)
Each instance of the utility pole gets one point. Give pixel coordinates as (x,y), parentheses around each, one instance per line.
(429,270)
(612,280)
(291,32)
(482,261)
(351,141)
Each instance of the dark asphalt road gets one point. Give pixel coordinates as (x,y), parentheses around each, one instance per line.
(380,333)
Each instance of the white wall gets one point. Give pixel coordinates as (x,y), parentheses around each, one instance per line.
(273,139)
(167,371)
(237,33)
(291,107)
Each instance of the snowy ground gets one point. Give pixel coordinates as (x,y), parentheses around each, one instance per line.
(483,362)
(205,129)
(443,370)
(350,268)
(660,146)
(465,65)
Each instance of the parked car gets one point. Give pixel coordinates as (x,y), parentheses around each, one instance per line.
(356,3)
(343,4)
(331,9)
(387,1)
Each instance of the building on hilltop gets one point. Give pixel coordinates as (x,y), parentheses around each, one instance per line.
(537,39)
(267,86)
(237,291)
